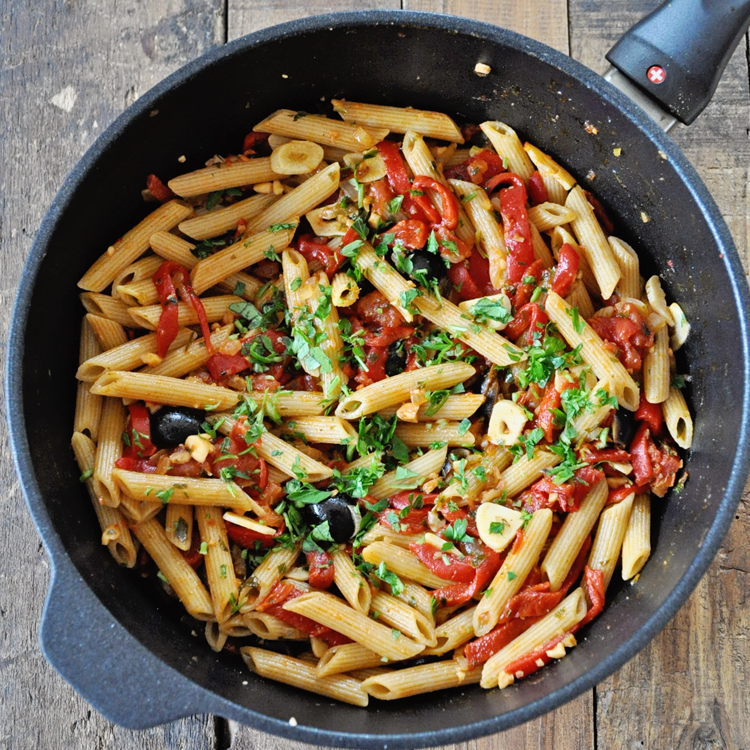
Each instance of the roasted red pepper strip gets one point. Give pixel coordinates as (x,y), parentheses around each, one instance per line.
(516,226)
(545,418)
(321,569)
(249,539)
(192,556)
(460,593)
(481,649)
(640,458)
(531,317)
(537,190)
(618,494)
(316,248)
(158,189)
(651,414)
(139,433)
(565,273)
(224,365)
(451,569)
(171,278)
(273,604)
(449,204)
(410,232)
(593,583)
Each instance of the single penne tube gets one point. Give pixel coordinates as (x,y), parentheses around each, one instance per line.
(321,130)
(381,533)
(137,293)
(351,583)
(508,145)
(554,625)
(656,375)
(336,614)
(108,307)
(171,247)
(183,490)
(222,582)
(548,167)
(139,511)
(457,407)
(489,234)
(344,290)
(329,430)
(541,251)
(555,191)
(397,389)
(399,119)
(427,678)
(295,272)
(575,530)
(308,195)
(579,297)
(301,674)
(109,333)
(605,366)
(252,248)
(164,390)
(513,572)
(677,418)
(636,547)
(216,308)
(546,216)
(456,157)
(132,245)
(274,565)
(242,285)
(223,176)
(235,627)
(518,476)
(424,434)
(403,563)
(399,615)
(182,578)
(418,598)
(142,269)
(410,475)
(108,449)
(605,552)
(88,411)
(657,299)
(127,356)
(291,460)
(115,532)
(590,419)
(326,321)
(593,243)
(215,636)
(627,258)
(270,628)
(453,633)
(183,360)
(220,220)
(178,525)
(495,460)
(347,658)
(286,403)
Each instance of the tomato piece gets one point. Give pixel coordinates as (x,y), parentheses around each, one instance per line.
(651,414)
(192,555)
(531,318)
(375,358)
(537,189)
(387,336)
(250,539)
(225,365)
(303,383)
(254,141)
(410,232)
(482,166)
(374,308)
(158,189)
(565,273)
(460,277)
(545,418)
(619,494)
(628,332)
(322,569)
(452,248)
(381,194)
(640,456)
(138,431)
(316,248)
(592,455)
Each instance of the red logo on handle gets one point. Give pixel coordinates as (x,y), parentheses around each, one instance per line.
(656,74)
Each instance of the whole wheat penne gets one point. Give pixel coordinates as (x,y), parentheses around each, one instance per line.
(575,529)
(508,145)
(336,614)
(301,674)
(216,308)
(403,563)
(139,511)
(221,220)
(605,366)
(613,524)
(541,251)
(427,678)
(677,418)
(399,119)
(109,333)
(326,322)
(509,579)
(552,626)
(593,242)
(132,245)
(636,547)
(418,598)
(182,578)
(223,176)
(409,476)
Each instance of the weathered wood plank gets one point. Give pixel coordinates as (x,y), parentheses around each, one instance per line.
(68,69)
(688,688)
(571,726)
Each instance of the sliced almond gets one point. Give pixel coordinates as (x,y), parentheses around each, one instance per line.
(296,157)
(497,525)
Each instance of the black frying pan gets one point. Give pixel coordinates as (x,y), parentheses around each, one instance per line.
(127,651)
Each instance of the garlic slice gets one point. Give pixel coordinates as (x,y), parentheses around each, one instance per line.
(506,423)
(296,157)
(508,521)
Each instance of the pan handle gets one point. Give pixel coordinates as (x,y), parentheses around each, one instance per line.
(678,53)
(106,664)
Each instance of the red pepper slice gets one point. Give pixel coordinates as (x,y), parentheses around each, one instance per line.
(321,569)
(651,414)
(537,190)
(460,593)
(545,418)
(593,455)
(375,358)
(449,203)
(565,273)
(224,365)
(530,318)
(451,568)
(248,538)
(139,432)
(640,457)
(253,141)
(481,649)
(192,556)
(171,278)
(410,232)
(316,248)
(618,494)
(593,583)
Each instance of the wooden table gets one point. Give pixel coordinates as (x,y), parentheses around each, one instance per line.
(69,68)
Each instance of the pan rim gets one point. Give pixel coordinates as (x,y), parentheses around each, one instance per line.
(496,35)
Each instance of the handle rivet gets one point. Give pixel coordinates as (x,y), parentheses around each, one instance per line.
(656,74)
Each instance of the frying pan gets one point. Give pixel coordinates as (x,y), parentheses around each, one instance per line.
(129,652)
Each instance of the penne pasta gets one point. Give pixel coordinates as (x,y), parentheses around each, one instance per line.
(636,546)
(223,176)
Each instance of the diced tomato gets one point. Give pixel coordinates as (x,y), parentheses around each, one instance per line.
(452,248)
(640,456)
(141,465)
(316,248)
(460,277)
(411,232)
(321,569)
(479,168)
(655,466)
(545,418)
(158,189)
(273,604)
(380,193)
(303,383)
(568,495)
(387,336)
(565,273)
(537,190)
(254,141)
(375,309)
(138,431)
(375,359)
(250,539)
(651,414)
(225,365)
(266,269)
(415,521)
(628,332)
(461,514)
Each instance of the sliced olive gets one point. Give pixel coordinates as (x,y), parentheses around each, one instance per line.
(338,513)
(396,361)
(172,425)
(426,266)
(490,389)
(623,428)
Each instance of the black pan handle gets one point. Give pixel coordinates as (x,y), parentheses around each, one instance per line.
(106,664)
(678,53)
